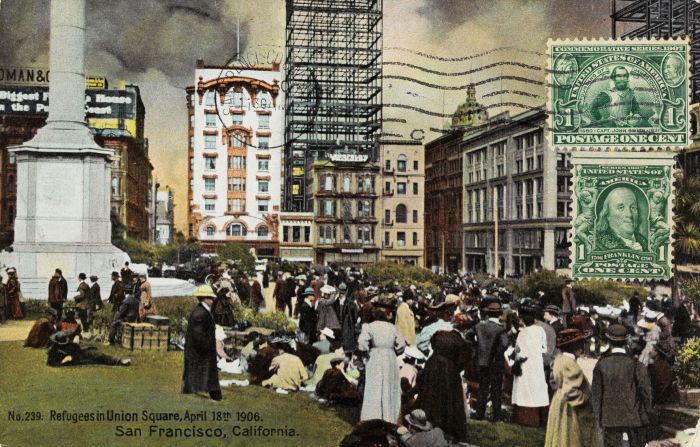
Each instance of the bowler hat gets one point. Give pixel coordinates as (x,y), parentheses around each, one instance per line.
(93,277)
(419,419)
(309,291)
(616,332)
(342,286)
(61,337)
(115,274)
(552,309)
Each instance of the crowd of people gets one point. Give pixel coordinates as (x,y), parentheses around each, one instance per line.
(472,350)
(415,365)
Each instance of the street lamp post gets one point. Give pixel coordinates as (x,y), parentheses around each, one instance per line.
(155,212)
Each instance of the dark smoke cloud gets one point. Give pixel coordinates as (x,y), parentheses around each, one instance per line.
(128,36)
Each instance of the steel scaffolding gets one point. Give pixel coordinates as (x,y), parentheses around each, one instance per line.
(333,86)
(662,18)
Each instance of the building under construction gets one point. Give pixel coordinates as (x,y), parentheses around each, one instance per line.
(661,18)
(332,88)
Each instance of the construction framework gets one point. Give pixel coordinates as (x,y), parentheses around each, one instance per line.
(661,18)
(333,87)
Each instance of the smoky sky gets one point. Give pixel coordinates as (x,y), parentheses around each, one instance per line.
(128,36)
(568,17)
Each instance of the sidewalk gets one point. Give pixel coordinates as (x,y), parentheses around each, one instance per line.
(13,330)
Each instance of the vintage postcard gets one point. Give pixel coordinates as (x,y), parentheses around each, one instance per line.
(349,223)
(621,94)
(622,215)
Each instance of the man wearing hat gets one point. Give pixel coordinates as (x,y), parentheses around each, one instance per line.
(279,292)
(307,317)
(116,294)
(64,352)
(42,329)
(200,373)
(14,307)
(82,301)
(491,341)
(621,393)
(421,432)
(95,297)
(551,316)
(335,386)
(568,301)
(55,295)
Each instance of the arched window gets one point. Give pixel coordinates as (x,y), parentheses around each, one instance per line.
(401,163)
(235,229)
(210,231)
(401,213)
(262,231)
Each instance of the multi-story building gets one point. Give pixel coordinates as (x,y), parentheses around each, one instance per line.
(297,237)
(345,196)
(236,135)
(333,95)
(515,188)
(116,117)
(401,210)
(164,217)
(443,188)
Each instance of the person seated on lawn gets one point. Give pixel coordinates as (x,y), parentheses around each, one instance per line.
(323,362)
(259,367)
(335,385)
(68,323)
(42,329)
(289,371)
(324,343)
(421,433)
(64,352)
(128,313)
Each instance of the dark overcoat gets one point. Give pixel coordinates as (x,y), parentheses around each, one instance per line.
(621,392)
(200,373)
(349,312)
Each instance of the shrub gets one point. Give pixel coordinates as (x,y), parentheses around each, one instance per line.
(238,253)
(687,366)
(691,290)
(601,292)
(546,281)
(386,273)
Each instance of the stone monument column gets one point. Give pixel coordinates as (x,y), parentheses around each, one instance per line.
(63,176)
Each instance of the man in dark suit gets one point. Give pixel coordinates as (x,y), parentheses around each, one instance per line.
(82,301)
(279,293)
(200,373)
(116,294)
(621,393)
(551,316)
(491,340)
(63,284)
(95,295)
(307,317)
(55,296)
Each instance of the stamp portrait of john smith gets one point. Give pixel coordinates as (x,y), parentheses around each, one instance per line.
(617,225)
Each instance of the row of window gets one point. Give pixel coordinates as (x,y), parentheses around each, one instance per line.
(236,99)
(237,205)
(294,233)
(236,184)
(400,238)
(401,164)
(328,208)
(235,140)
(522,239)
(237,230)
(328,234)
(236,162)
(401,188)
(364,183)
(211,120)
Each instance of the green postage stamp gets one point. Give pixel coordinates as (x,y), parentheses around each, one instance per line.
(622,215)
(620,94)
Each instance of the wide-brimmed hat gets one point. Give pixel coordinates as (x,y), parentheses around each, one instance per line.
(327,289)
(568,336)
(337,359)
(419,419)
(441,306)
(51,311)
(328,332)
(645,324)
(616,332)
(552,309)
(414,353)
(309,291)
(61,337)
(204,291)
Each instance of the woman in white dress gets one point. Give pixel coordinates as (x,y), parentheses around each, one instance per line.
(530,396)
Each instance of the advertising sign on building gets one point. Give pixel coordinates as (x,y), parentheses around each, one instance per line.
(31,100)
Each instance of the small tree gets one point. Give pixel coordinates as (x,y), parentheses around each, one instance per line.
(546,281)
(691,290)
(238,253)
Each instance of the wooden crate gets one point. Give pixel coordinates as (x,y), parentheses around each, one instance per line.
(145,336)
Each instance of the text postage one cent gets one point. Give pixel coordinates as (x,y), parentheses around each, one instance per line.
(622,215)
(628,94)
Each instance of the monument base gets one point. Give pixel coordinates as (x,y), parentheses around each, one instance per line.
(36,264)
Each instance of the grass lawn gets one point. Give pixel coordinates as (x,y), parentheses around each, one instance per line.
(32,390)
